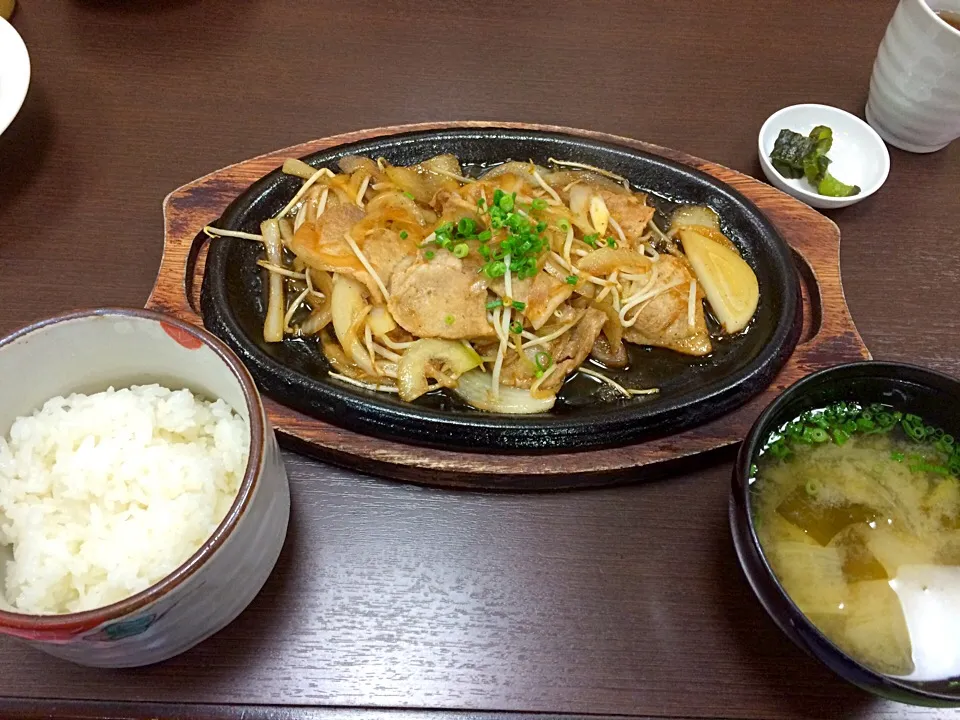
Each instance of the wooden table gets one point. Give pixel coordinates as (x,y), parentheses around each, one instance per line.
(388,596)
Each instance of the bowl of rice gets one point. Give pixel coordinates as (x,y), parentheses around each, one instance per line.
(143,499)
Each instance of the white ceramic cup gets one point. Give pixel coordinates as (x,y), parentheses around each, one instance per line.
(87,352)
(14,73)
(914,101)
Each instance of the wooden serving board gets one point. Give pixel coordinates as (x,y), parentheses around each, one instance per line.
(829,335)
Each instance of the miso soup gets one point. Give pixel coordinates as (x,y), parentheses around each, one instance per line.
(858,513)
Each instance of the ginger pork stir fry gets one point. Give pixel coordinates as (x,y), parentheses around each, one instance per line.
(499,287)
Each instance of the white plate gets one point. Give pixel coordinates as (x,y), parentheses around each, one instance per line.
(858,155)
(14,73)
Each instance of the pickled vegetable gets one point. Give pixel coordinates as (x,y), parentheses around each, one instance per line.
(796,156)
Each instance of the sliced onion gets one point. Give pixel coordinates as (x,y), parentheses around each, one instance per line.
(423,181)
(564,178)
(727,280)
(381,321)
(687,215)
(599,214)
(346,306)
(444,164)
(474,388)
(605,261)
(580,199)
(350,164)
(317,321)
(450,357)
(293,166)
(276,301)
(520,169)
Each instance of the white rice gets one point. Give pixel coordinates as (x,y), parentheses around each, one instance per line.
(103,495)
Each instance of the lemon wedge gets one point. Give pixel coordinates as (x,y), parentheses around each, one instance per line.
(728,282)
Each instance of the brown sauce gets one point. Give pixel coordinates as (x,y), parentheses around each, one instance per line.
(950,17)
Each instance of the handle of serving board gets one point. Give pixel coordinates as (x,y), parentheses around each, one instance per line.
(177,287)
(829,335)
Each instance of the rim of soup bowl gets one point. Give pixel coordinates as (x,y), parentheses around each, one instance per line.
(740,506)
(67,625)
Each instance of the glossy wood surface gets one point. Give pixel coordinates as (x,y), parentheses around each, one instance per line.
(616,601)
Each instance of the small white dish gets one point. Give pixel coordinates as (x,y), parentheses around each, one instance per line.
(14,73)
(858,156)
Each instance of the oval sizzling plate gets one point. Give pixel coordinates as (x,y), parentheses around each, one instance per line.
(692,390)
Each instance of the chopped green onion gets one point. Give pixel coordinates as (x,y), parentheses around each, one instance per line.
(429,254)
(449,319)
(521,306)
(543,361)
(495,269)
(523,243)
(812,487)
(611,242)
(538,204)
(929,467)
(820,421)
(866,424)
(591,240)
(403,234)
(409,195)
(516,328)
(913,426)
(840,421)
(779,449)
(494,304)
(815,435)
(571,280)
